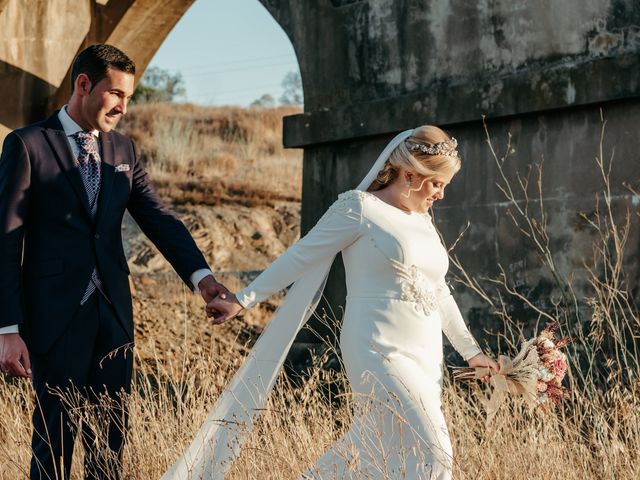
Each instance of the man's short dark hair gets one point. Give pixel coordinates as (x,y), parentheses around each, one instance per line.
(96,60)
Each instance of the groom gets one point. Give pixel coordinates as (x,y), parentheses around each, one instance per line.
(65,306)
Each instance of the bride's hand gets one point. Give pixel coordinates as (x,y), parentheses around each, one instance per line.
(481,360)
(222,308)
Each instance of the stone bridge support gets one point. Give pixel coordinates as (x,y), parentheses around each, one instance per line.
(40,38)
(540,72)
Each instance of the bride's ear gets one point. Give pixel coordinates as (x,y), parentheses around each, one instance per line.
(413,178)
(408,177)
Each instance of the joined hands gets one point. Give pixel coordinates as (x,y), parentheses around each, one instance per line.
(210,288)
(222,305)
(222,308)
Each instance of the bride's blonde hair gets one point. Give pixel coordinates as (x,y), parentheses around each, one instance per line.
(407,155)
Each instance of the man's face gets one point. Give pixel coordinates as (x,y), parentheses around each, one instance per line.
(106,103)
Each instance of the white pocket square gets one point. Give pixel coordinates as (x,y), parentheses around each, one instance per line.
(123,167)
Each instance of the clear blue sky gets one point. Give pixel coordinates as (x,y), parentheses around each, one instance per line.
(229,52)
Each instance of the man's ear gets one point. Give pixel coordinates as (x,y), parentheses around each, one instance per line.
(82,84)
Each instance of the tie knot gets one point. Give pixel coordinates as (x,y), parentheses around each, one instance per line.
(85,141)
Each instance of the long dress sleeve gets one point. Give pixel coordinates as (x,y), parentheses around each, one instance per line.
(338,228)
(453,324)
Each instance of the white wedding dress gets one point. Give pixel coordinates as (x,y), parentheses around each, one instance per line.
(398,305)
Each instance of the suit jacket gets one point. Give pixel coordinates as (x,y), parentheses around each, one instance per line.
(49,242)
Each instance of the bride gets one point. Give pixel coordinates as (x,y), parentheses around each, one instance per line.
(397,307)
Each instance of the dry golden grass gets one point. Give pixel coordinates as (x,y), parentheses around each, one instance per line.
(182,364)
(200,155)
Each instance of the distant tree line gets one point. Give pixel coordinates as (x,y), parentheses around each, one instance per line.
(291,93)
(159,85)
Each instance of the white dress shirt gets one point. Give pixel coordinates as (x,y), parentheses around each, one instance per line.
(70,128)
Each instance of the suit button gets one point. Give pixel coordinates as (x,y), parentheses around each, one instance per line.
(96,236)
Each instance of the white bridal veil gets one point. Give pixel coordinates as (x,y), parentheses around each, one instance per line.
(230,422)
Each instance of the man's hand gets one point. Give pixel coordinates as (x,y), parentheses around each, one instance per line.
(210,289)
(14,357)
(223,308)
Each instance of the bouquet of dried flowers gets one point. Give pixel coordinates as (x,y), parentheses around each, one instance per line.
(535,373)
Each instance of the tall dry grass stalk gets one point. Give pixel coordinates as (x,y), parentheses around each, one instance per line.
(182,364)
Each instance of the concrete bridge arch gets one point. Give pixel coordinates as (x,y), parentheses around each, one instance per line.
(40,39)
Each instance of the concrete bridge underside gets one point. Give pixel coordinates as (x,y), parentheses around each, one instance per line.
(40,38)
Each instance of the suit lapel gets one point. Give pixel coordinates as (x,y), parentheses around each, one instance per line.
(108,159)
(64,156)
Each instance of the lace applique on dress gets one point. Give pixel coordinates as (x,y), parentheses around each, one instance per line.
(415,287)
(343,204)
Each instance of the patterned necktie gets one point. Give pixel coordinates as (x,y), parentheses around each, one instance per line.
(89,162)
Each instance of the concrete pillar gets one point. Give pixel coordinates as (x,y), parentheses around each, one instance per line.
(540,70)
(37,45)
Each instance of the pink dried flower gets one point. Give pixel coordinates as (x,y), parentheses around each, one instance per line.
(559,368)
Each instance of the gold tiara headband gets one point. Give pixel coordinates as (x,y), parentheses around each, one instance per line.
(448,147)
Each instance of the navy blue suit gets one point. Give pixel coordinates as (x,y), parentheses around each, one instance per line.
(49,245)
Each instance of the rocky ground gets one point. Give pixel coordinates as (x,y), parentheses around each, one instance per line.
(234,238)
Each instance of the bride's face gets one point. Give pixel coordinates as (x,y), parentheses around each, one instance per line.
(426,191)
